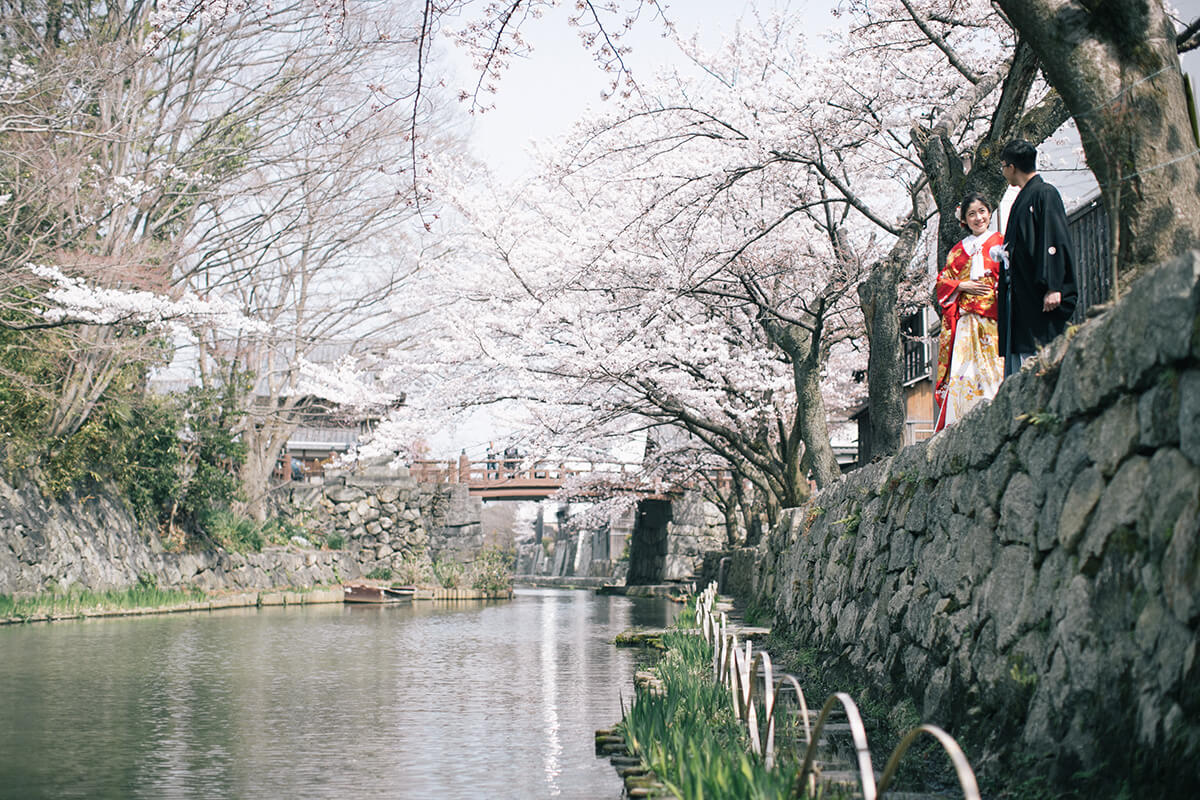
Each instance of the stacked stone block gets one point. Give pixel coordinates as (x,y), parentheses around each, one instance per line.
(1030,578)
(381,527)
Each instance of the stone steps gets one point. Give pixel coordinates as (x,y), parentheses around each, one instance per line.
(640,780)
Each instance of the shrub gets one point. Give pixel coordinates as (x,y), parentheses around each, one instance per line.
(233,531)
(278,530)
(335,540)
(211,455)
(380,574)
(493,570)
(449,574)
(174,458)
(414,571)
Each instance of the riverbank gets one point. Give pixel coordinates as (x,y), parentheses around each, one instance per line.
(681,736)
(60,608)
(205,603)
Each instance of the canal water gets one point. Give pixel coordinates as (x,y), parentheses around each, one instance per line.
(423,700)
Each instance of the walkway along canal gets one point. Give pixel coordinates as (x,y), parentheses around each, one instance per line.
(456,700)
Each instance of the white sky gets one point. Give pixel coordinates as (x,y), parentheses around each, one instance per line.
(540,96)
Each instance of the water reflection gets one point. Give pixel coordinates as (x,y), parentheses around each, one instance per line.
(466,701)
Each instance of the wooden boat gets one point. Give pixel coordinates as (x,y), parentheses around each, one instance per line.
(370,593)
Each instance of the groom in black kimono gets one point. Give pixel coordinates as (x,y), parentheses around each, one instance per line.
(1037,291)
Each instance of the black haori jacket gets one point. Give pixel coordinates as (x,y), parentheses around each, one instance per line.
(1039,261)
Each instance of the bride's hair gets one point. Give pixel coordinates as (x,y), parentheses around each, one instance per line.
(972,197)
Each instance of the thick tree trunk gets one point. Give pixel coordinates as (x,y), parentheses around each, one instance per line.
(264,443)
(879,298)
(1117,68)
(255,476)
(729,509)
(812,423)
(806,449)
(949,178)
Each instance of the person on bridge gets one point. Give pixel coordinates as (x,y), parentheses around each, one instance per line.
(969,366)
(492,474)
(1037,291)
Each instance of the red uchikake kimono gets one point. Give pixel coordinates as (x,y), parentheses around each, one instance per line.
(969,365)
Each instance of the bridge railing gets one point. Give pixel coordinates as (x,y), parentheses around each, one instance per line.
(502,471)
(755,691)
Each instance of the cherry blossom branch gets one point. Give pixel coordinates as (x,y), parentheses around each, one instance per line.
(940,43)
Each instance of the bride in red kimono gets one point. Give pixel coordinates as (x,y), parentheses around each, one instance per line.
(969,364)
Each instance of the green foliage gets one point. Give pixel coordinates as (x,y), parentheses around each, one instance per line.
(687,733)
(493,570)
(279,530)
(127,438)
(135,446)
(335,540)
(24,411)
(1021,673)
(414,571)
(449,574)
(211,454)
(380,574)
(1042,419)
(232,531)
(903,716)
(758,614)
(145,594)
(850,523)
(687,612)
(174,458)
(806,657)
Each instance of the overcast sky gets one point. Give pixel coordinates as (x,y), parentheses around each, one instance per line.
(542,95)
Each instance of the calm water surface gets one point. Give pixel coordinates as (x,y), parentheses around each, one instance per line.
(468,700)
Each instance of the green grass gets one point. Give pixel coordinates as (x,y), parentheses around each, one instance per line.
(449,574)
(690,737)
(76,601)
(758,614)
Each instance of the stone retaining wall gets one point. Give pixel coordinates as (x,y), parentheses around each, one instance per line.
(389,521)
(697,527)
(660,540)
(1030,578)
(91,540)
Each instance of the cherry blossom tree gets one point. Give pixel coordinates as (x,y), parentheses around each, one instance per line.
(249,161)
(650,279)
(717,182)
(936,89)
